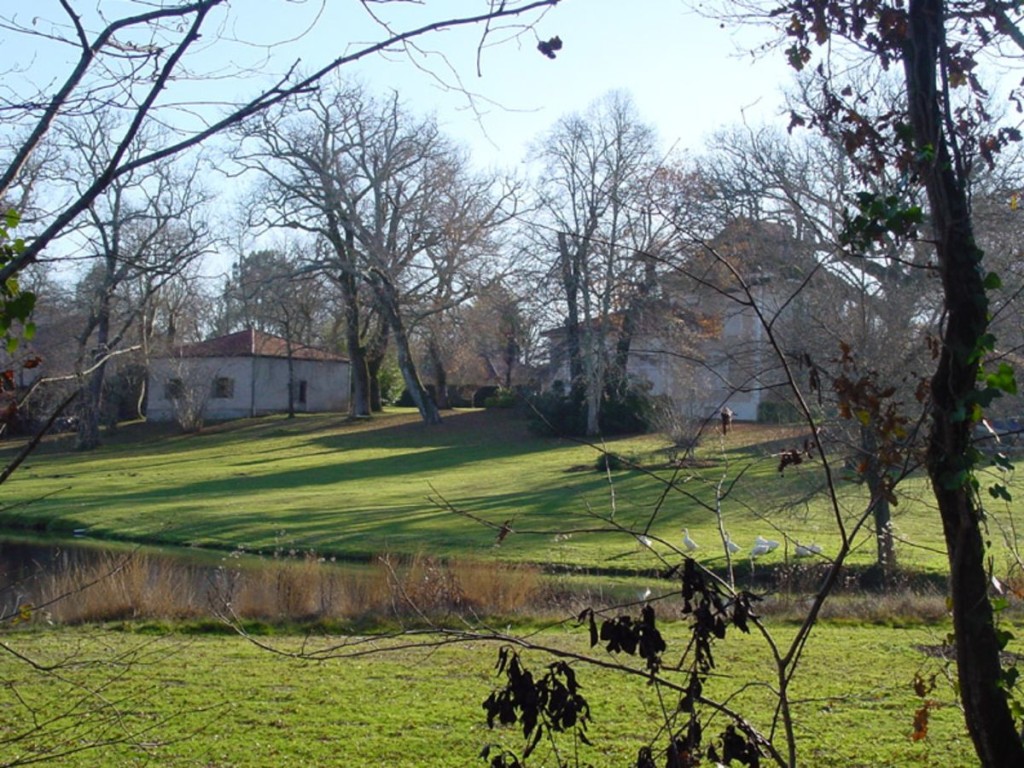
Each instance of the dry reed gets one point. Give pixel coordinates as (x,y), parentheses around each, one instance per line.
(301,589)
(136,586)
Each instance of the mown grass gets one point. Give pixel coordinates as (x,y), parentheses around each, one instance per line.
(356,489)
(221,701)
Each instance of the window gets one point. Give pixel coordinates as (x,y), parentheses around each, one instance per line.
(223,387)
(174,389)
(300,391)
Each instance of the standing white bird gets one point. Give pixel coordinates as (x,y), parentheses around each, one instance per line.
(761,541)
(731,545)
(689,543)
(644,542)
(807,550)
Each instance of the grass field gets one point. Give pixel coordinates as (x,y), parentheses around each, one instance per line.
(356,489)
(219,701)
(359,489)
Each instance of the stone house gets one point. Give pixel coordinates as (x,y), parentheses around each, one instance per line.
(247,373)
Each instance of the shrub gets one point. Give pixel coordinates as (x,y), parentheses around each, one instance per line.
(773,412)
(622,413)
(392,387)
(503,398)
(553,413)
(614,462)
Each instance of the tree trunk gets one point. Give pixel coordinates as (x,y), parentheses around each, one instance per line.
(571,284)
(291,381)
(360,405)
(88,436)
(376,354)
(881,511)
(389,306)
(440,376)
(420,397)
(510,358)
(374,363)
(989,720)
(594,388)
(632,321)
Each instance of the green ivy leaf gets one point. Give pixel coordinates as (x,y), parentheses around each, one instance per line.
(1003,379)
(1003,636)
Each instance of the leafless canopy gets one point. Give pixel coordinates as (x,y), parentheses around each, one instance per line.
(146,63)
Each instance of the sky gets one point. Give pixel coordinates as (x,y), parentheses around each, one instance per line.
(686,74)
(689,76)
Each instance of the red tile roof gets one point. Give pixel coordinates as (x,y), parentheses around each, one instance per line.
(250,343)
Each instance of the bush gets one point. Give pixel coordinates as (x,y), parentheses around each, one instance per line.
(503,398)
(772,412)
(628,413)
(615,462)
(392,387)
(553,413)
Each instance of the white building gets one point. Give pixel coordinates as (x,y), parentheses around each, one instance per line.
(701,340)
(247,374)
(702,351)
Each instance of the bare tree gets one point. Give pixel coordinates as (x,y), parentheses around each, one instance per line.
(392,200)
(596,168)
(467,253)
(939,132)
(881,304)
(144,229)
(145,64)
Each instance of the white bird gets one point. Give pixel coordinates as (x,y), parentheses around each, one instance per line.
(644,542)
(759,548)
(761,541)
(689,543)
(645,594)
(731,545)
(807,550)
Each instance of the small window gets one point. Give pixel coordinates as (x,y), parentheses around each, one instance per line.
(223,387)
(300,392)
(174,389)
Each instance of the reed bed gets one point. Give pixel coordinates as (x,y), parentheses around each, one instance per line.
(305,588)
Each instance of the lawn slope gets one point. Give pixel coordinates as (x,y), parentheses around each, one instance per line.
(354,489)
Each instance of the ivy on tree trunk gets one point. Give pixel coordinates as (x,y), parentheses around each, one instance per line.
(954,389)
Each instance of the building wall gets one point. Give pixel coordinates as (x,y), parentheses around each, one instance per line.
(236,387)
(327,385)
(726,367)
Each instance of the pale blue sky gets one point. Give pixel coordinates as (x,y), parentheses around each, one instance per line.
(685,72)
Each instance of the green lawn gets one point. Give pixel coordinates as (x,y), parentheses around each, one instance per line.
(219,701)
(356,489)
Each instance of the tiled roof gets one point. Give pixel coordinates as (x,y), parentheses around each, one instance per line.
(250,343)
